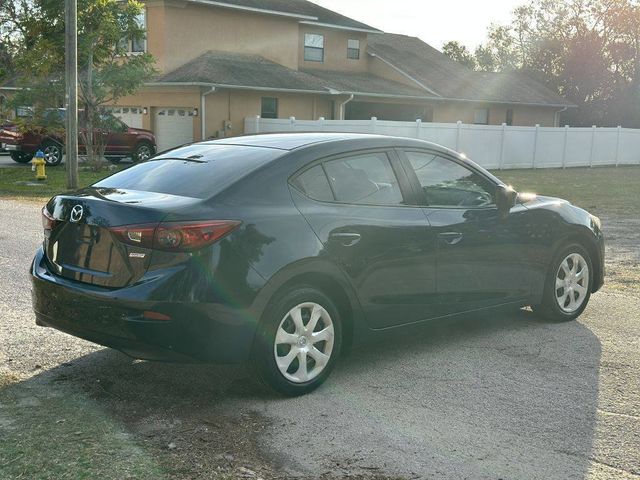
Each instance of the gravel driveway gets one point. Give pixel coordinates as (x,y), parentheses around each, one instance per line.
(503,396)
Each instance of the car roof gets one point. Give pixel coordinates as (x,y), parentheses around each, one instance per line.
(294,141)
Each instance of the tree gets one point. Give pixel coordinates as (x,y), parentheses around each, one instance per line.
(107,71)
(459,53)
(586,50)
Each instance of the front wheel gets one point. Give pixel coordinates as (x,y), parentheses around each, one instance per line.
(299,341)
(568,285)
(21,157)
(52,153)
(143,152)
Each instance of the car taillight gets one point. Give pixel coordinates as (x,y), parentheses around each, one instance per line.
(48,221)
(175,236)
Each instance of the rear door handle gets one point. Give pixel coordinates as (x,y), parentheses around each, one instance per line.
(345,239)
(451,238)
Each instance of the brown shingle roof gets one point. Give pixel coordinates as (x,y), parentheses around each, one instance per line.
(363,83)
(239,70)
(448,79)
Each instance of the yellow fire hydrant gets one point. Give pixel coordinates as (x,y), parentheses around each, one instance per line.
(38,164)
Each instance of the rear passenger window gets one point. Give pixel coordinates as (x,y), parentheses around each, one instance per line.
(364,179)
(314,184)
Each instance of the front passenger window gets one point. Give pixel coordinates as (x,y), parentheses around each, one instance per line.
(448,184)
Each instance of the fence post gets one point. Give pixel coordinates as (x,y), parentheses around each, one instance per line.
(418,126)
(321,124)
(564,150)
(535,146)
(257,124)
(593,143)
(292,121)
(618,145)
(502,140)
(458,135)
(373,124)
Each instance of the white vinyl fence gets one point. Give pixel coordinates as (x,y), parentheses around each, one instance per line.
(493,147)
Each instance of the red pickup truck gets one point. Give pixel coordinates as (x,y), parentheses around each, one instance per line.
(120,141)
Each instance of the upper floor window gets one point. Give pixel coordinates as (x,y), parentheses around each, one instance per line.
(481,116)
(269,107)
(353,49)
(136,44)
(313,47)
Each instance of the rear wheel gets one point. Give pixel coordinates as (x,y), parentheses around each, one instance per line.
(299,341)
(568,285)
(143,152)
(52,153)
(21,157)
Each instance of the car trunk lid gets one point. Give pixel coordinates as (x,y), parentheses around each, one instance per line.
(83,246)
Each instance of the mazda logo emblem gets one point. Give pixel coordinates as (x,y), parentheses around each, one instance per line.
(76,213)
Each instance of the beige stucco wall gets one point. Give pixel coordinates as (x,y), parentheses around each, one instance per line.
(236,105)
(335,49)
(178,32)
(451,112)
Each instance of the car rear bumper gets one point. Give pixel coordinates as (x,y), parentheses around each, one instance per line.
(196,332)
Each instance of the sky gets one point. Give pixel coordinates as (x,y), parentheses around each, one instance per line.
(435,22)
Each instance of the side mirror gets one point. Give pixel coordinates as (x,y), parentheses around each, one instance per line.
(505,199)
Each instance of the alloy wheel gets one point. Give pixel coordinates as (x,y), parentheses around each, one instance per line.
(572,283)
(52,154)
(304,342)
(143,153)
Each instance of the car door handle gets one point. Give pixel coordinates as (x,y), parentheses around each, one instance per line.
(345,239)
(451,238)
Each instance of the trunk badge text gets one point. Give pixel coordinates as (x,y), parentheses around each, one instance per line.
(137,255)
(76,213)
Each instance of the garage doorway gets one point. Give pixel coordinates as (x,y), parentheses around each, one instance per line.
(173,127)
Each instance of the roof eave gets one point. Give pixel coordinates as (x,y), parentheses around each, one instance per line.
(233,87)
(231,6)
(340,27)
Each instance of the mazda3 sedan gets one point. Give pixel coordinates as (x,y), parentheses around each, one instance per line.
(284,250)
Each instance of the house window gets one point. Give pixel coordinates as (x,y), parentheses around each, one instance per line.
(481,116)
(269,107)
(509,119)
(313,47)
(136,45)
(353,49)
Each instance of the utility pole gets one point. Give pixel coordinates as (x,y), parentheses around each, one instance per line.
(71,76)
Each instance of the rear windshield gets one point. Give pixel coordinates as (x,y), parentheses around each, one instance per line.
(198,171)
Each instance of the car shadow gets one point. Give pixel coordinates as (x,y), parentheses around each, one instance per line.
(500,395)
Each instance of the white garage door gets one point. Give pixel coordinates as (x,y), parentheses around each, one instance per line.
(174,127)
(132,116)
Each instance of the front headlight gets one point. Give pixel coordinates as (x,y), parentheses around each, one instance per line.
(595,222)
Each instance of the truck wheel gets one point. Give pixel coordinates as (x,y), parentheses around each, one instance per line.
(143,152)
(21,157)
(52,153)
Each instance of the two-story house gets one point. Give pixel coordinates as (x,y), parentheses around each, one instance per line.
(221,61)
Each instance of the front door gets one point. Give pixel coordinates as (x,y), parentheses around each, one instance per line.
(357,207)
(480,260)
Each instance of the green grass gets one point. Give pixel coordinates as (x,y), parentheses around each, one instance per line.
(601,190)
(13,181)
(50,433)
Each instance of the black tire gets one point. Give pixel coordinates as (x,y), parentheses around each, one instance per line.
(143,151)
(53,153)
(21,157)
(550,307)
(264,349)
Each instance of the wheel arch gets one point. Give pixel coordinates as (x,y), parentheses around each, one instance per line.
(587,240)
(329,280)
